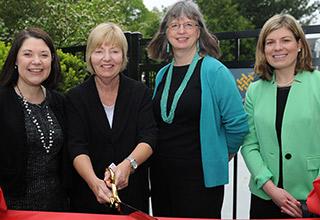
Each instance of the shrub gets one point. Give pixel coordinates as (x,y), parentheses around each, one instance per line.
(4,49)
(73,71)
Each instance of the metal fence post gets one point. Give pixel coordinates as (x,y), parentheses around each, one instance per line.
(134,55)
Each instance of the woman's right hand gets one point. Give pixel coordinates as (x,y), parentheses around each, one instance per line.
(283,199)
(101,191)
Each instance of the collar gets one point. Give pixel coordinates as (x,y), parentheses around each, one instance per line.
(297,78)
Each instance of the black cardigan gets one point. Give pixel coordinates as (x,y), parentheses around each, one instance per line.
(13,144)
(89,133)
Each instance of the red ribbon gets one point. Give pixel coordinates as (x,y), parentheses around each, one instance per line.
(313,200)
(3,205)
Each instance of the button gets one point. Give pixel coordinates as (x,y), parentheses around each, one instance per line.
(288,156)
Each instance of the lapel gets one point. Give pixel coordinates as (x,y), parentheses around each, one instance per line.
(293,108)
(265,112)
(121,110)
(95,107)
(122,106)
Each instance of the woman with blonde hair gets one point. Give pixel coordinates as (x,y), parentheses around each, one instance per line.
(110,122)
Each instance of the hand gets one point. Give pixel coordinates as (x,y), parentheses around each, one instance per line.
(284,200)
(121,172)
(101,191)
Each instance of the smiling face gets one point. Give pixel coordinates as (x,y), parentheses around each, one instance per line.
(107,61)
(183,33)
(281,50)
(34,62)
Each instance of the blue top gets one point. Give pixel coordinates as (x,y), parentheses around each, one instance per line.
(223,122)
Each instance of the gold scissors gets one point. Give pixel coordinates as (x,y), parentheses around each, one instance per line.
(114,200)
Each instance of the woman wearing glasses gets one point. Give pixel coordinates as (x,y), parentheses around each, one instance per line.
(199,114)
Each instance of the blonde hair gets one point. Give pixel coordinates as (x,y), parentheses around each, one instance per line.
(106,33)
(304,59)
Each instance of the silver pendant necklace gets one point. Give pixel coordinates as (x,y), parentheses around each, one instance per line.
(46,146)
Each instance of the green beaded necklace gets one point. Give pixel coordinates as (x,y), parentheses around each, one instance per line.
(164,98)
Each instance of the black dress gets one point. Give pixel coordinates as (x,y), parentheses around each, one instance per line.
(32,179)
(44,189)
(177,183)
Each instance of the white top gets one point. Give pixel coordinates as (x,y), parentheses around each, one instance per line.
(109,112)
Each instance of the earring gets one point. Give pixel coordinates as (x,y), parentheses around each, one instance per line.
(299,50)
(15,66)
(168,47)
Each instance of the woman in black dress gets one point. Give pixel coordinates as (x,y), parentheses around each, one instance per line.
(200,117)
(32,125)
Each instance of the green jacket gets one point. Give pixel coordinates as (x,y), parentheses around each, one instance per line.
(300,135)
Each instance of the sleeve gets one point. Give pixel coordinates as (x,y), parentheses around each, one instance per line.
(147,128)
(233,116)
(250,150)
(77,135)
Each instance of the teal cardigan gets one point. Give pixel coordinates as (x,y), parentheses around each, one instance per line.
(300,135)
(223,122)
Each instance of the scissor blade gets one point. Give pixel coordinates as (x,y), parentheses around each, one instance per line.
(134,212)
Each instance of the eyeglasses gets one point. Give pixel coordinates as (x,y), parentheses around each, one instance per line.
(186,26)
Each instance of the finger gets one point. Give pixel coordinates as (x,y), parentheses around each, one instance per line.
(292,199)
(293,205)
(108,183)
(292,210)
(106,175)
(102,197)
(287,211)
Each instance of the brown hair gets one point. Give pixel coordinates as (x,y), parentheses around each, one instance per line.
(304,59)
(208,43)
(10,75)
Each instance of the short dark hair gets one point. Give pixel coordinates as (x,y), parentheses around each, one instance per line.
(9,74)
(208,43)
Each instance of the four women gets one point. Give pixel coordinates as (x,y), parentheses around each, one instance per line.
(198,112)
(281,151)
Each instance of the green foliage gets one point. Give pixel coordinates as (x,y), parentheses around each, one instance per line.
(138,18)
(69,22)
(4,49)
(223,16)
(261,10)
(73,69)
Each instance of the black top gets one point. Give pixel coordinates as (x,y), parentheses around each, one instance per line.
(90,134)
(181,138)
(43,183)
(282,96)
(15,150)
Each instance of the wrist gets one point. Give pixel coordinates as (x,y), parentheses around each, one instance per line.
(133,163)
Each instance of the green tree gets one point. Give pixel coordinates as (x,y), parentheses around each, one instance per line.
(223,16)
(261,10)
(69,21)
(138,18)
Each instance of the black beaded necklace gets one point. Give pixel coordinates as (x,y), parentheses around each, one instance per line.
(45,145)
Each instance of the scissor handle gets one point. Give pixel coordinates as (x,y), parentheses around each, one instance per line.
(114,200)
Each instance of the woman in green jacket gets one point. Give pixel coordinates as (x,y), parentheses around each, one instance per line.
(282,149)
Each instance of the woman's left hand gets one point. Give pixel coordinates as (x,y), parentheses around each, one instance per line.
(122,173)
